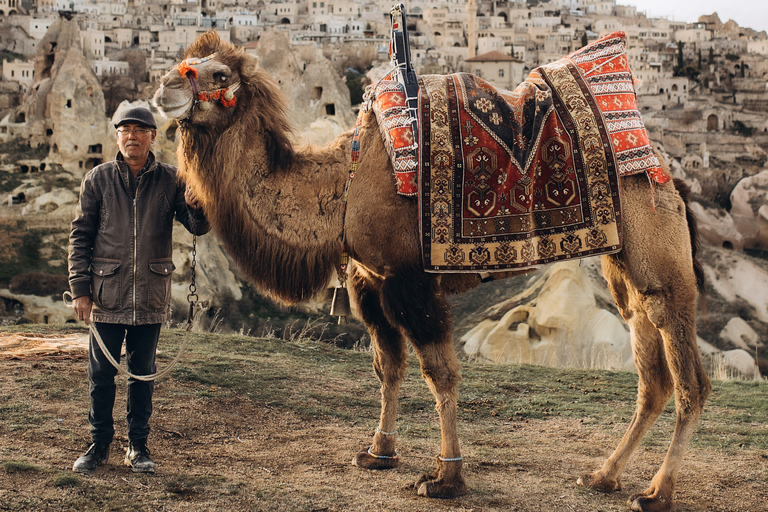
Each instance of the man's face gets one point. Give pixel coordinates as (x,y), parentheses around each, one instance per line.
(134,141)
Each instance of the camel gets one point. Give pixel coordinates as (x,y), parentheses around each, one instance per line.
(279,210)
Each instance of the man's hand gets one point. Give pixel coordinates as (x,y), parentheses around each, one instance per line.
(82,306)
(191,199)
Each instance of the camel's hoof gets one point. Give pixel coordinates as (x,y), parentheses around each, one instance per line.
(367,461)
(441,489)
(598,482)
(642,503)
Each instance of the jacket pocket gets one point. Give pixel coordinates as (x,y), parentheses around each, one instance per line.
(107,293)
(159,285)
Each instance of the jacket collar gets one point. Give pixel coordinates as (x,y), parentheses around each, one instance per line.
(123,168)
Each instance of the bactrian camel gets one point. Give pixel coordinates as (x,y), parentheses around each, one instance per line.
(278,210)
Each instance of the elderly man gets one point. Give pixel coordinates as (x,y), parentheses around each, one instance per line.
(120,270)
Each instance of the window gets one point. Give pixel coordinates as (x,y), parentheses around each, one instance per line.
(501,73)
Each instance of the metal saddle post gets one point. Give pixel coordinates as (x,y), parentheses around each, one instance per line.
(400,53)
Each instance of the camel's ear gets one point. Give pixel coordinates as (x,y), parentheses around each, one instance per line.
(249,66)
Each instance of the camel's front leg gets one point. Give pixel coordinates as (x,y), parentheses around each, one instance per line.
(389,363)
(440,369)
(413,301)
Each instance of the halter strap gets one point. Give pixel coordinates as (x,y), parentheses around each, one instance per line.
(225,96)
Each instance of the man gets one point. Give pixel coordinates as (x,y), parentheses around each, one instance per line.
(120,270)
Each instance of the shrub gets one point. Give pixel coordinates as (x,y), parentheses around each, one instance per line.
(39,283)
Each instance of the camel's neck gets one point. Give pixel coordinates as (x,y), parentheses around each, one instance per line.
(282,226)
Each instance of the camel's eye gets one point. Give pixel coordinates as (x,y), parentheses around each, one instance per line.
(220,77)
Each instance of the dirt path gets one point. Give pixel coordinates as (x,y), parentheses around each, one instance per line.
(217,451)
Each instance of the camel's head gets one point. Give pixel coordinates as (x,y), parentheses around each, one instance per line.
(218,86)
(208,84)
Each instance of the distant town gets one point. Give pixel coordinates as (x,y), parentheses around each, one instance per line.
(709,75)
(500,40)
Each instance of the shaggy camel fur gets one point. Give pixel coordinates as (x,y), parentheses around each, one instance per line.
(278,210)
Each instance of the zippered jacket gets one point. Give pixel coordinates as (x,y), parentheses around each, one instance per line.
(120,248)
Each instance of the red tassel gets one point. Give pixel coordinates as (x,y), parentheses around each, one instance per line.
(185,69)
(228,103)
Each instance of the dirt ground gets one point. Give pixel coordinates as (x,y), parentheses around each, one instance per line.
(218,451)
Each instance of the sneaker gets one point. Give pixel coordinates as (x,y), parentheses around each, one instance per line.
(96,455)
(137,456)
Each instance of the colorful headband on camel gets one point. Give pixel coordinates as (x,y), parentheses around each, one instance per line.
(186,65)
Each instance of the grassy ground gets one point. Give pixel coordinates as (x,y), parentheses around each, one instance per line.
(246,423)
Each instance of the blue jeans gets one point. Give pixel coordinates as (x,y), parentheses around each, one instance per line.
(140,347)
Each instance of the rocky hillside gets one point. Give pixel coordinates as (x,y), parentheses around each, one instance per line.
(562,315)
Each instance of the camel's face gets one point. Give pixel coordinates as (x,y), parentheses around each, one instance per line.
(197,99)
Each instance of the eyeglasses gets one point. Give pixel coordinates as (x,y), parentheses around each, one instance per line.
(135,131)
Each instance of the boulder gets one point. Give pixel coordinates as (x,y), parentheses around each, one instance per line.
(51,202)
(717,227)
(42,310)
(557,321)
(736,363)
(735,277)
(740,334)
(749,212)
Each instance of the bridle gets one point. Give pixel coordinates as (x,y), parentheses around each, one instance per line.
(225,96)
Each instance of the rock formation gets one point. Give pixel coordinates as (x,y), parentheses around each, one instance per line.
(317,96)
(556,321)
(749,210)
(64,108)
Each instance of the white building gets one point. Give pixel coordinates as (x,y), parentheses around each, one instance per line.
(39,26)
(500,70)
(9,7)
(760,47)
(92,42)
(19,71)
(693,35)
(106,67)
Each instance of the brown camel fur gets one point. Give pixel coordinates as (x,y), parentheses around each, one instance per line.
(279,209)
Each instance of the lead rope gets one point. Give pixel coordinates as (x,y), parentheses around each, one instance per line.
(192,305)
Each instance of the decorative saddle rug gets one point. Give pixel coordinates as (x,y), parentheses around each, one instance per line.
(515,179)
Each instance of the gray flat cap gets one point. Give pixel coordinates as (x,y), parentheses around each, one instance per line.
(136,115)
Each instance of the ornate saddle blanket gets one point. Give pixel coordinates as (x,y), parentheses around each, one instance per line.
(516,179)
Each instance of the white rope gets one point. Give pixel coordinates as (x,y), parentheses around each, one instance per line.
(117,365)
(145,378)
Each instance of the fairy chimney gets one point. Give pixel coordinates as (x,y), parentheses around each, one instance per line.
(64,108)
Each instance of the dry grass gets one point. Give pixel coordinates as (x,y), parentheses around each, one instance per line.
(266,424)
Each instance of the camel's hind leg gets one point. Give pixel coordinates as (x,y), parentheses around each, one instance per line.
(414,301)
(389,363)
(654,284)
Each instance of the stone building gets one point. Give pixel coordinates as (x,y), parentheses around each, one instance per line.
(500,70)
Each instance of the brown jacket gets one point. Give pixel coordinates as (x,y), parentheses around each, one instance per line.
(120,249)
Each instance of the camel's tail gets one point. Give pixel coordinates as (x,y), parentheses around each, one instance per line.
(685,192)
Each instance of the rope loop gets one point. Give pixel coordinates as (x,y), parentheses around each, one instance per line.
(381,456)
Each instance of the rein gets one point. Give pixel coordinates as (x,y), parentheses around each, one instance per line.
(124,371)
(194,304)
(225,96)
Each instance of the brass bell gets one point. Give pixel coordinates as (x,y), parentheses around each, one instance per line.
(340,304)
